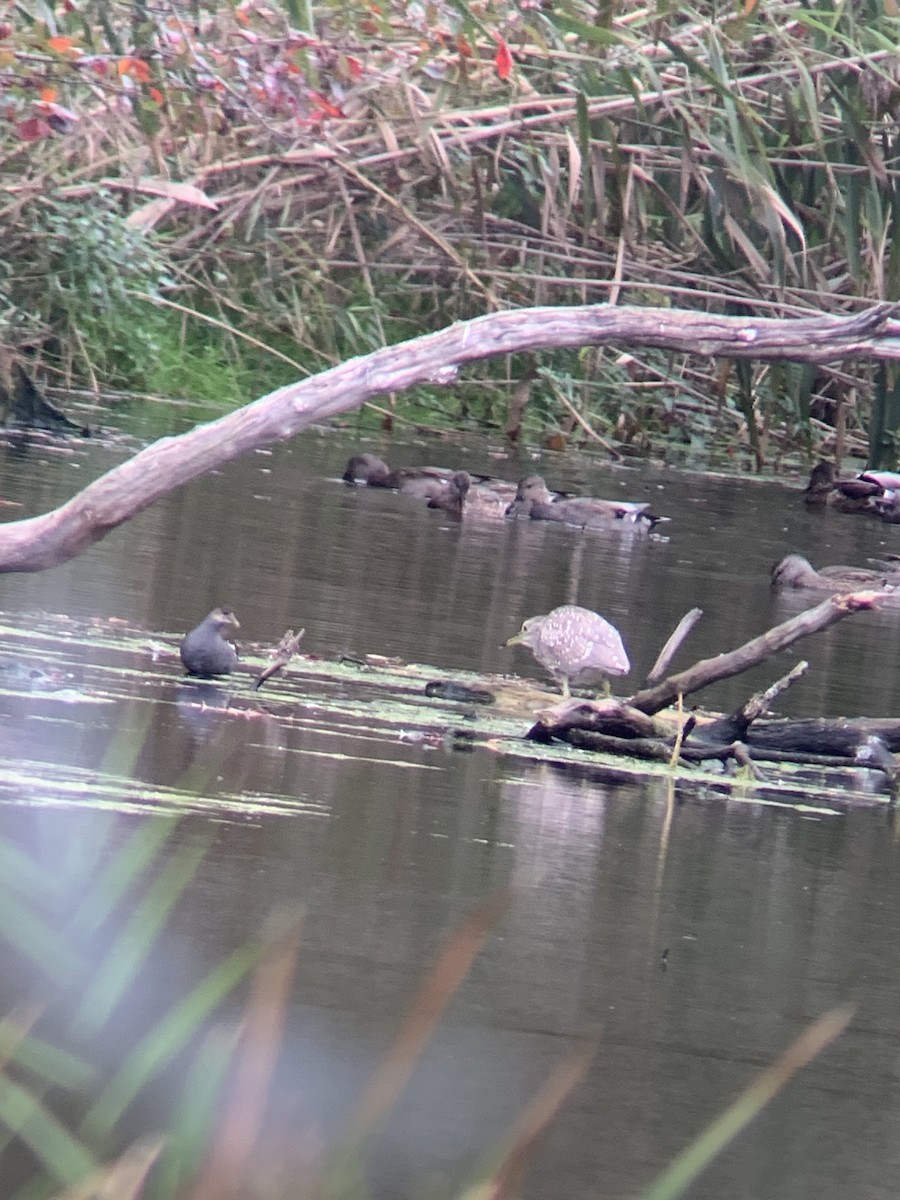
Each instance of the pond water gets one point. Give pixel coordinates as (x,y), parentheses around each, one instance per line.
(766,916)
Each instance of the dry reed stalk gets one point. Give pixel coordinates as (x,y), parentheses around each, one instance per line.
(123,1179)
(505,1182)
(434,995)
(258,1050)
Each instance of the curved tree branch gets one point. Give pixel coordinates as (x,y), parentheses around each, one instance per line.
(45,541)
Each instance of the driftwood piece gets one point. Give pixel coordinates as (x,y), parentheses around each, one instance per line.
(627,728)
(820,742)
(47,540)
(655,750)
(736,724)
(723,666)
(280,656)
(610,716)
(670,649)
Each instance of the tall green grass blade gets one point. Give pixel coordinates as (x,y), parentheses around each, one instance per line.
(133,945)
(20,872)
(160,1046)
(34,938)
(690,1164)
(593,35)
(194,1116)
(127,865)
(62,1155)
(84,854)
(49,1063)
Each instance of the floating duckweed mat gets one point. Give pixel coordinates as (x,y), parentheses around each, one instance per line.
(58,662)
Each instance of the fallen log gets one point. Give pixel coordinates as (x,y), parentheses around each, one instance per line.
(628,728)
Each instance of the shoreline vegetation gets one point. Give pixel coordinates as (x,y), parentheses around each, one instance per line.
(195,202)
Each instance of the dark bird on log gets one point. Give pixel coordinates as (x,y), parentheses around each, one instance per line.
(795,571)
(575,645)
(535,500)
(204,651)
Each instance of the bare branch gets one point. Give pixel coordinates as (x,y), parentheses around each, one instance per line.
(45,541)
(723,666)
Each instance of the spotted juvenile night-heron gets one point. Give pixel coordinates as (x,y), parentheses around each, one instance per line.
(575,645)
(204,651)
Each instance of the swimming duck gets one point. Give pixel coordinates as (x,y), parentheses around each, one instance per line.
(795,571)
(820,486)
(535,500)
(458,498)
(204,651)
(874,492)
(422,482)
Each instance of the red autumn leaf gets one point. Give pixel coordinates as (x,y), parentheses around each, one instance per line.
(60,44)
(156,94)
(48,94)
(33,129)
(354,66)
(324,106)
(464,47)
(5,30)
(136,68)
(502,58)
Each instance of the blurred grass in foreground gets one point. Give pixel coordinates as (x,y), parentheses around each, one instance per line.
(70,1120)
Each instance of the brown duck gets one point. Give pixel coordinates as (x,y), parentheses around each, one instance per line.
(422,482)
(535,500)
(459,498)
(795,571)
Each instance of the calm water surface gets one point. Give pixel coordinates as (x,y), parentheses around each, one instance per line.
(769,916)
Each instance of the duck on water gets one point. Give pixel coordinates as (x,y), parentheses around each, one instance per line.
(795,571)
(535,500)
